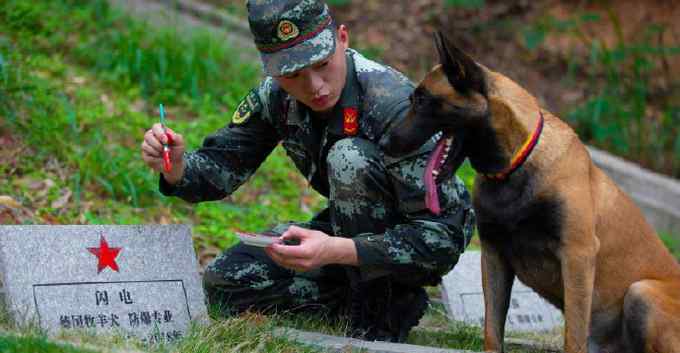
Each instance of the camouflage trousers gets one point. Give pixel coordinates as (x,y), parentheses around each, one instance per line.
(245,278)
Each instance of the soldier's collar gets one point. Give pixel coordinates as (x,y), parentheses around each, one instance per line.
(349,100)
(294,111)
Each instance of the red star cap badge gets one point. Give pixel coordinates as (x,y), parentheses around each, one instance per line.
(106,255)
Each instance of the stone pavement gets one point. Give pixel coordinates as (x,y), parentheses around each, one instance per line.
(344,344)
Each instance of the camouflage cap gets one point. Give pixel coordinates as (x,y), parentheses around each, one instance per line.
(291,34)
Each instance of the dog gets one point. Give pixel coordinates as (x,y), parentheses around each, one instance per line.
(546,213)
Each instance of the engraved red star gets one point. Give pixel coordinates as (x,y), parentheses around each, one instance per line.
(106,255)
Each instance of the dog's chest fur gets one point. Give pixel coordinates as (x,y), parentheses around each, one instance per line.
(525,230)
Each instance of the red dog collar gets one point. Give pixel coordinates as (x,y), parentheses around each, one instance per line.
(521,156)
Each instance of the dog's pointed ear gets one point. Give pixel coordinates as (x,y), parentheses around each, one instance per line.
(461,71)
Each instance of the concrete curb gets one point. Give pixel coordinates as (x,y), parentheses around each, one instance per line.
(344,344)
(531,345)
(175,13)
(657,195)
(237,29)
(211,14)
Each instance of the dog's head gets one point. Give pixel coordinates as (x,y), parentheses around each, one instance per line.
(451,98)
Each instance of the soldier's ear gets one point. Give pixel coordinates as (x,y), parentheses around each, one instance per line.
(461,71)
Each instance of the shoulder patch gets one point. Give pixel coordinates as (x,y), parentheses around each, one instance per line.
(249,105)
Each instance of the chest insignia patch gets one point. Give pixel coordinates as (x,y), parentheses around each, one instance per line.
(350,123)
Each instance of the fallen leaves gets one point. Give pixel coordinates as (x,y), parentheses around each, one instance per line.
(63,199)
(8,201)
(13,212)
(206,254)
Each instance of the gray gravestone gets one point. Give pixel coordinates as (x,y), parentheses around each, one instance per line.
(464,299)
(134,280)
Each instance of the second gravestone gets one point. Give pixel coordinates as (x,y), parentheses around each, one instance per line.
(134,280)
(464,299)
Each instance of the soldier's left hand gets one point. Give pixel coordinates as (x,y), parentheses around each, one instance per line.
(316,249)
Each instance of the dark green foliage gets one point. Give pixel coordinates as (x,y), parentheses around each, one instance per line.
(627,111)
(196,69)
(338,2)
(80,107)
(466,337)
(468,4)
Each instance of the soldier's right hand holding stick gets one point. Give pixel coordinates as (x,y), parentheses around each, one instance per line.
(152,152)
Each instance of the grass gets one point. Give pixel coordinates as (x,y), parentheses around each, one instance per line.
(249,332)
(246,333)
(672,242)
(468,4)
(33,344)
(78,88)
(80,118)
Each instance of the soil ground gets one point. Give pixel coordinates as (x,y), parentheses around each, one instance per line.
(401,31)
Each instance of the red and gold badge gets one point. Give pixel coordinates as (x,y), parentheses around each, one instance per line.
(287,30)
(351,121)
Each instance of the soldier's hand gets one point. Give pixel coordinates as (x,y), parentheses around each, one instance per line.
(316,249)
(152,152)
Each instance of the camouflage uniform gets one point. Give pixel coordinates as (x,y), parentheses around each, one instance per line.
(373,198)
(376,200)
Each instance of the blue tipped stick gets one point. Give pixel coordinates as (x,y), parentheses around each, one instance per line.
(166,150)
(162,111)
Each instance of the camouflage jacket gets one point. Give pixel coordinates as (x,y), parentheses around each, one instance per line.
(268,116)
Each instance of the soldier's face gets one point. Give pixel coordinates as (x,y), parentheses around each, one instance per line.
(319,86)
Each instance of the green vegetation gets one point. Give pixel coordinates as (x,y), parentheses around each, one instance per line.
(630,111)
(78,88)
(672,243)
(246,333)
(468,4)
(33,344)
(339,2)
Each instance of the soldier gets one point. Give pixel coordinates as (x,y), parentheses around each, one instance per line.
(369,253)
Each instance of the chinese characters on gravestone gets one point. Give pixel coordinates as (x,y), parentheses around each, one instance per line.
(135,280)
(464,300)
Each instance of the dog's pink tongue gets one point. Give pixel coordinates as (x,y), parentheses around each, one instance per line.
(431,197)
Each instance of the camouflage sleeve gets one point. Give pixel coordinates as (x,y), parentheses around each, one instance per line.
(229,156)
(424,241)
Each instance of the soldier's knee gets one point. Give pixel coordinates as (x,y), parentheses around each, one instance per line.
(350,159)
(212,279)
(242,275)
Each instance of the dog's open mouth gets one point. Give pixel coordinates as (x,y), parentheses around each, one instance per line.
(444,161)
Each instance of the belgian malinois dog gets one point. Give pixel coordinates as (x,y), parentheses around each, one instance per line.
(546,213)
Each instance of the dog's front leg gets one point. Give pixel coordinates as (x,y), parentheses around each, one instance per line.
(497,279)
(578,258)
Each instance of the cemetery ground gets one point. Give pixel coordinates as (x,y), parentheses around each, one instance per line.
(78,88)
